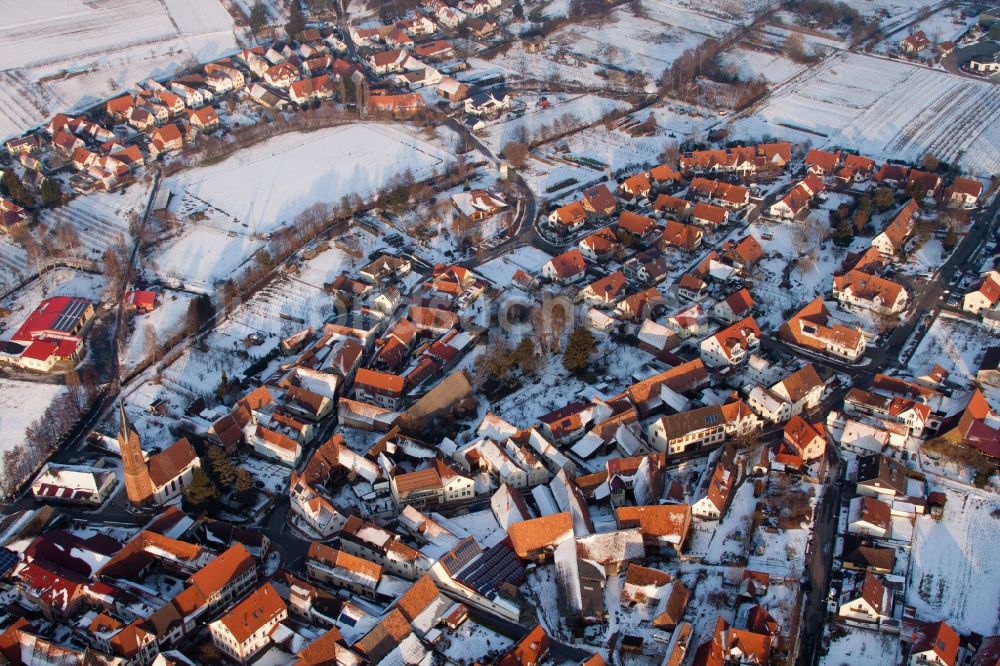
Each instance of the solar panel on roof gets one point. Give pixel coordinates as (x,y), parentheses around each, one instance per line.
(7,560)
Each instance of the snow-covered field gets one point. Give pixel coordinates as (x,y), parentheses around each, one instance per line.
(953,575)
(956,344)
(267,185)
(67,54)
(201,256)
(501,270)
(584,108)
(869,103)
(22,403)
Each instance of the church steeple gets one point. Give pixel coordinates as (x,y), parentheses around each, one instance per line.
(138,485)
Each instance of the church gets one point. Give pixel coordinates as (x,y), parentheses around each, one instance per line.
(162,477)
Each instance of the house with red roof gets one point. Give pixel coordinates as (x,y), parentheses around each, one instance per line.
(599,201)
(984,296)
(378,388)
(636,228)
(804,439)
(868,604)
(140,300)
(731,346)
(248,627)
(635,187)
(687,237)
(568,218)
(709,216)
(821,162)
(933,644)
(894,236)
(600,246)
(914,43)
(566,268)
(861,289)
(605,292)
(963,193)
(734,307)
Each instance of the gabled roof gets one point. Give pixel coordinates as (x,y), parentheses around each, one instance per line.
(824,159)
(166,466)
(637,225)
(939,638)
(540,533)
(569,263)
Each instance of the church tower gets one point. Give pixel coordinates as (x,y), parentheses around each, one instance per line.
(138,485)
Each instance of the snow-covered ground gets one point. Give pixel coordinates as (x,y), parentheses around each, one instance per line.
(751,63)
(955,343)
(61,55)
(867,103)
(861,647)
(21,404)
(151,329)
(953,575)
(948,24)
(56,282)
(501,270)
(202,256)
(265,186)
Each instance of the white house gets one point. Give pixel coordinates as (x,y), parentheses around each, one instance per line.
(869,516)
(731,346)
(857,288)
(869,604)
(246,629)
(799,391)
(984,296)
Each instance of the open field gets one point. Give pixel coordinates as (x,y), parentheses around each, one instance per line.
(952,574)
(955,344)
(867,103)
(66,54)
(267,185)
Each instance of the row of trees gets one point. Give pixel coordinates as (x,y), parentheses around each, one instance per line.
(50,192)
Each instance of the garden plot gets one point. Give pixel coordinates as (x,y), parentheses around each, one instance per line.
(152,329)
(100,218)
(21,404)
(955,344)
(265,186)
(868,103)
(953,564)
(861,647)
(68,54)
(741,11)
(472,642)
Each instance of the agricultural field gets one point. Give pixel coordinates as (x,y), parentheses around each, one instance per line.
(854,100)
(62,55)
(952,563)
(267,185)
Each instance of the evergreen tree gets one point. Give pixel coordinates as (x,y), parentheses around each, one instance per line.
(883,198)
(258,16)
(950,239)
(223,470)
(202,491)
(52,195)
(15,190)
(579,348)
(296,21)
(518,10)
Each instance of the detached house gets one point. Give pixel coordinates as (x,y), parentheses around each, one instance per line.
(635,187)
(868,291)
(934,644)
(684,236)
(599,246)
(568,218)
(599,201)
(963,193)
(709,216)
(566,268)
(821,162)
(869,604)
(804,439)
(734,307)
(914,44)
(800,391)
(385,62)
(731,346)
(636,228)
(984,296)
(812,327)
(605,292)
